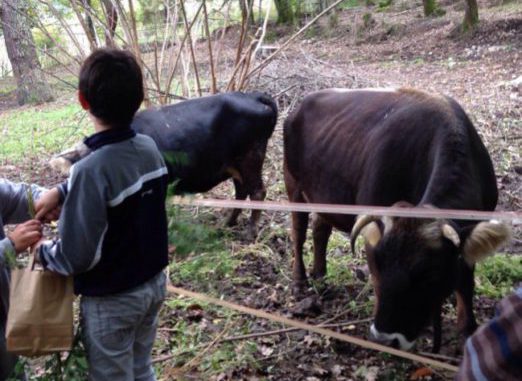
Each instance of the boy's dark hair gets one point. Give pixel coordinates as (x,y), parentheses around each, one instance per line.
(112,83)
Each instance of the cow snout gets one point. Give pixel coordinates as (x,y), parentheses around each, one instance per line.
(64,160)
(396,340)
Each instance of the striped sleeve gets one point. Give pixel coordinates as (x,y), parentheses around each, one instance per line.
(494,351)
(82,226)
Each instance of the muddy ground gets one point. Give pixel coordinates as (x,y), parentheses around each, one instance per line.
(482,70)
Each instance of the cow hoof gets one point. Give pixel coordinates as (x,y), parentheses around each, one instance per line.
(318,275)
(251,233)
(299,289)
(231,222)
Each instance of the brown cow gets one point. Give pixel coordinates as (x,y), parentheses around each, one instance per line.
(382,147)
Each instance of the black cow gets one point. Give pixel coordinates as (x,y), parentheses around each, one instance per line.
(208,140)
(403,147)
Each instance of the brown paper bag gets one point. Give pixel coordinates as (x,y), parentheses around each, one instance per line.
(40,318)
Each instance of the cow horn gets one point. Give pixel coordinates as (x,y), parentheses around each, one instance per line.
(450,233)
(359,225)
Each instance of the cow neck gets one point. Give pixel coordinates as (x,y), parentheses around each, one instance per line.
(111,136)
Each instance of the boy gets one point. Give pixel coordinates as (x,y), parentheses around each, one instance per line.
(113,225)
(13,209)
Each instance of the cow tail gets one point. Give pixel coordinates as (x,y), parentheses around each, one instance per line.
(272,116)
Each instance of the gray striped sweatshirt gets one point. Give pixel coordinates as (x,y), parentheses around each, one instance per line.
(113,228)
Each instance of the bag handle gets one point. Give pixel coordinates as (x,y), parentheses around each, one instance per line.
(33,261)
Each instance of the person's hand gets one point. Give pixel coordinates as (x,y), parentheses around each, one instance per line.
(26,234)
(47,207)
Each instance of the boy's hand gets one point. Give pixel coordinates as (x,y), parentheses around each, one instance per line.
(26,234)
(47,207)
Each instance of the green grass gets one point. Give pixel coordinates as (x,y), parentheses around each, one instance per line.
(200,256)
(497,276)
(41,131)
(349,4)
(203,260)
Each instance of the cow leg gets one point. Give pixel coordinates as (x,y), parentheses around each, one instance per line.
(437,329)
(321,233)
(258,195)
(464,293)
(299,226)
(250,171)
(241,194)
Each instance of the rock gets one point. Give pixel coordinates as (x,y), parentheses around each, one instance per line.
(362,273)
(309,306)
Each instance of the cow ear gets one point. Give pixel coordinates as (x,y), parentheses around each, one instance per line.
(484,240)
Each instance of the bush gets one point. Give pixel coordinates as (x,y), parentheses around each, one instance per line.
(498,275)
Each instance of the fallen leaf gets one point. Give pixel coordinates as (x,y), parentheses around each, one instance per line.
(309,340)
(421,373)
(337,370)
(266,351)
(319,371)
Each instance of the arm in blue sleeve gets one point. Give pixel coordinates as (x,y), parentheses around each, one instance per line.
(5,246)
(14,205)
(82,227)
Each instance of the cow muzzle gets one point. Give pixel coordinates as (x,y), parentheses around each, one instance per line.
(391,339)
(64,160)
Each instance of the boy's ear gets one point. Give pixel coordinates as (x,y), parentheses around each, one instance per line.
(83,102)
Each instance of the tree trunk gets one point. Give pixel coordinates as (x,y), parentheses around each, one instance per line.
(247,8)
(285,12)
(112,21)
(91,32)
(471,15)
(429,7)
(31,84)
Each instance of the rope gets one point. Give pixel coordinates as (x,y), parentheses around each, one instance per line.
(311,328)
(514,217)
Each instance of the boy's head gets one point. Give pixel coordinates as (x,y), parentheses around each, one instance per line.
(111,86)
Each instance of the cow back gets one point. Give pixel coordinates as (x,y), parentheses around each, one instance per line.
(372,147)
(201,137)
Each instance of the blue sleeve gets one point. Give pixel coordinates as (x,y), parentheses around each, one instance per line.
(14,206)
(5,245)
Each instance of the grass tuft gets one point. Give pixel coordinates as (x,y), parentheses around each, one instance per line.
(497,276)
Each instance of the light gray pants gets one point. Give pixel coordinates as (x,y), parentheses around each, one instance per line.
(119,332)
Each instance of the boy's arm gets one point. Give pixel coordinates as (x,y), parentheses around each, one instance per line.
(82,227)
(14,205)
(48,205)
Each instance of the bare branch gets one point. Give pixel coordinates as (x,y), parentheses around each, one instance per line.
(65,26)
(209,40)
(189,36)
(297,34)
